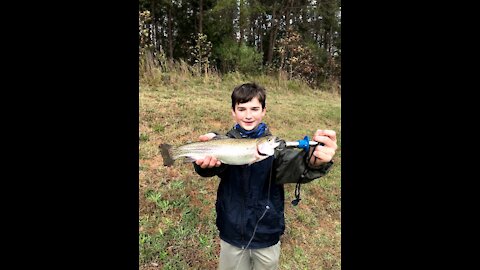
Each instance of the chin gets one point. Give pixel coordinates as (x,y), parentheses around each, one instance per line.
(249,127)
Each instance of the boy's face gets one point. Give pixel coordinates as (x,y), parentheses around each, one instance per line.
(249,115)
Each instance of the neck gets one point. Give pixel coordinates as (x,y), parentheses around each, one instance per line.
(257,132)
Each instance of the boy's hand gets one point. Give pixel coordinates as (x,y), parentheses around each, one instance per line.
(207,162)
(325,153)
(206,137)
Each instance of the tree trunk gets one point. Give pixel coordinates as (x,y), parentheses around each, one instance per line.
(200,19)
(252,28)
(260,33)
(275,25)
(330,43)
(154,27)
(271,41)
(287,17)
(324,39)
(170,33)
(241,20)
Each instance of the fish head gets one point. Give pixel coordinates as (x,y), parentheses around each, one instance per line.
(266,145)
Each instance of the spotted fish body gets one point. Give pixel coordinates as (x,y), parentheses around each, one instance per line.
(228,151)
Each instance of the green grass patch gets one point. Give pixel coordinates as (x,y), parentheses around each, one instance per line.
(177,207)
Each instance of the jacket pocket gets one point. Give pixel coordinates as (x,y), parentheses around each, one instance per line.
(270,226)
(228,222)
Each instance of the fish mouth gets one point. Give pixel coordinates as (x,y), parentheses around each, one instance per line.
(276,142)
(269,144)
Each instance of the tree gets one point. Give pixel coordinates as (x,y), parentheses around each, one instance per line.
(256,24)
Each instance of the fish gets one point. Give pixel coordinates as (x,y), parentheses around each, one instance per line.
(227,150)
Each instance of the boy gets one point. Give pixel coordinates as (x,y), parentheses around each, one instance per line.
(250,198)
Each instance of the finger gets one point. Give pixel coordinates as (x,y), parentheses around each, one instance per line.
(324,157)
(203,138)
(325,150)
(199,161)
(218,163)
(206,162)
(211,135)
(326,132)
(330,133)
(327,141)
(207,136)
(212,163)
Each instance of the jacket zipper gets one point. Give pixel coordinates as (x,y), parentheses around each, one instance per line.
(245,192)
(243,224)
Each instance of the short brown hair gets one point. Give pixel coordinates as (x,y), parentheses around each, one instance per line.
(246,92)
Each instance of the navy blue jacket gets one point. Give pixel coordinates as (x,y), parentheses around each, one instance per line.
(246,191)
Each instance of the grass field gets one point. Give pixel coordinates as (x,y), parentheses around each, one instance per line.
(177,207)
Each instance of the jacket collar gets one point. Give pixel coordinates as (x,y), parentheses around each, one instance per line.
(234,133)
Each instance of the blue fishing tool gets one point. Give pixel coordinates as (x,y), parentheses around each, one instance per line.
(304,144)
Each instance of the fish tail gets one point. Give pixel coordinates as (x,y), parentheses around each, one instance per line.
(167,155)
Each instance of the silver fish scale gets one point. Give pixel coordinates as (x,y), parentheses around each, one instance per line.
(233,154)
(228,151)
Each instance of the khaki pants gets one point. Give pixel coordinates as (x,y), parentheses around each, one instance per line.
(231,257)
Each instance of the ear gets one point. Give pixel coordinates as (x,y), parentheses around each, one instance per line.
(264,111)
(233,113)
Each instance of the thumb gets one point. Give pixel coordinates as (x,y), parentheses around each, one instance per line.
(206,137)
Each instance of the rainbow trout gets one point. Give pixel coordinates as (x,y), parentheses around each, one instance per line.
(227,150)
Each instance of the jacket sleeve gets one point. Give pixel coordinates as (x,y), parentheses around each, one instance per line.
(291,166)
(209,172)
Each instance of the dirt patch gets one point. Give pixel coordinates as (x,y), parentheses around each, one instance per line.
(146,207)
